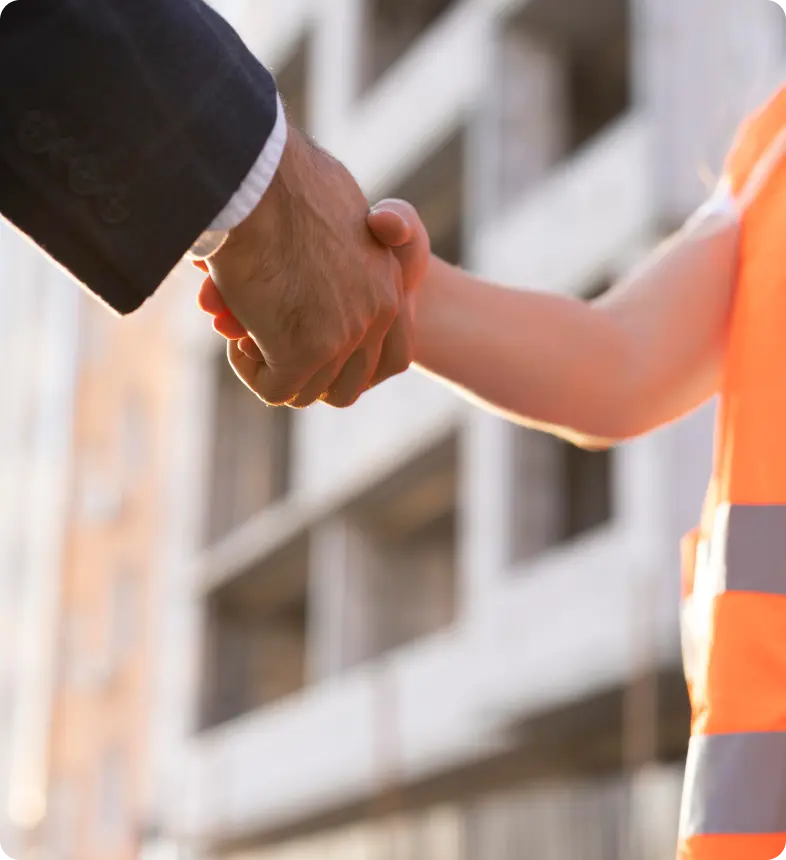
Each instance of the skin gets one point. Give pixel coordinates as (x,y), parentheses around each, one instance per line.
(644,354)
(319,301)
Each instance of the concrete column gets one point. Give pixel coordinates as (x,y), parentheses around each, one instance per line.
(532,111)
(177,611)
(327,586)
(484,499)
(341,603)
(521,124)
(335,71)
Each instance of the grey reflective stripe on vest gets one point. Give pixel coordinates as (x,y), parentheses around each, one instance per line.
(735,783)
(746,552)
(748,549)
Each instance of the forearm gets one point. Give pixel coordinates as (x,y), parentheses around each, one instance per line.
(593,373)
(523,354)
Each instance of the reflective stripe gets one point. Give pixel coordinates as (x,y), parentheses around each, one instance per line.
(747,550)
(747,553)
(689,641)
(734,783)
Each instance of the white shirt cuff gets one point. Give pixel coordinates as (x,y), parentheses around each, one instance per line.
(245,199)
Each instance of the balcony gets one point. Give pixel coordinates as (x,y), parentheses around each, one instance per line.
(257,629)
(561,492)
(403,571)
(320,749)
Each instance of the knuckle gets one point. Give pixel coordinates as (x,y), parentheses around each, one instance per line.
(357,331)
(346,390)
(309,351)
(389,309)
(341,339)
(276,392)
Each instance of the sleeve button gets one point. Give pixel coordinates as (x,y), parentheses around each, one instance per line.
(113,209)
(38,132)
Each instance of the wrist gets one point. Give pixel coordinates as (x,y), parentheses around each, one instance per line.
(267,244)
(253,189)
(274,214)
(428,307)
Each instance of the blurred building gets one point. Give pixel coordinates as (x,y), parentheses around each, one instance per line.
(405,630)
(115,528)
(86,438)
(38,351)
(411,629)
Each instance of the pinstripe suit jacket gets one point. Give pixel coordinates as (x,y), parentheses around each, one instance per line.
(125,128)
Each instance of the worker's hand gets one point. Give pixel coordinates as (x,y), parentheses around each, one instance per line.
(397,224)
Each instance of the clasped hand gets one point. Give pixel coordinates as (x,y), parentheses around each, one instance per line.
(313,304)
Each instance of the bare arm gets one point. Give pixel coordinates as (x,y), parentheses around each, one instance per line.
(644,354)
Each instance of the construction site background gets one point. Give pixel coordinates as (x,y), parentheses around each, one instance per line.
(408,630)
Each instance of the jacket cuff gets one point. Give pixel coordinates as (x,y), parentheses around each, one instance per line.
(247,197)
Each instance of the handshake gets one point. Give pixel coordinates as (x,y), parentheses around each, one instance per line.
(314,293)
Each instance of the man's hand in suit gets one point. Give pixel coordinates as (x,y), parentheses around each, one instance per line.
(322,299)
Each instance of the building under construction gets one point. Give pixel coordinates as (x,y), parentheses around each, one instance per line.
(407,630)
(426,632)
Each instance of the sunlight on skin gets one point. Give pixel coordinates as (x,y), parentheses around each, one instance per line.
(209,299)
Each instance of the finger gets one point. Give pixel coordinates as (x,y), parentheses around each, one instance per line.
(341,382)
(319,385)
(276,386)
(201,264)
(209,298)
(354,377)
(249,348)
(227,326)
(210,301)
(391,225)
(398,350)
(397,224)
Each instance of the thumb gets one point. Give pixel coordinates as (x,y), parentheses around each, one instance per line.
(397,224)
(391,222)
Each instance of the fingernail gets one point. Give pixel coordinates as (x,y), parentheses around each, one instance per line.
(382,209)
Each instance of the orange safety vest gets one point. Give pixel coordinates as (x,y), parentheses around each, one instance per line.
(734,578)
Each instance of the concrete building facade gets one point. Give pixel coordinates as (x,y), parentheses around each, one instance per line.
(38,345)
(85,432)
(114,530)
(408,629)
(413,627)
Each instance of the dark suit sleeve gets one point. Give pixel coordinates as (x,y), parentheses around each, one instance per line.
(125,127)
